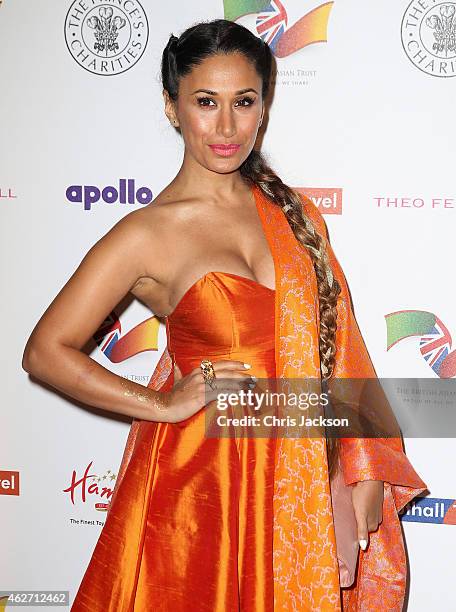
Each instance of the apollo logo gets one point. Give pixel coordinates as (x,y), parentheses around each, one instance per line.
(126,193)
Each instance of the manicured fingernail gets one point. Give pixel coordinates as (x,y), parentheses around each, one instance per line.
(363,544)
(247,366)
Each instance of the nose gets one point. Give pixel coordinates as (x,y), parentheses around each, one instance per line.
(226,122)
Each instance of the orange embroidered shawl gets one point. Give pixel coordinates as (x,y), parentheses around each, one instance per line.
(305,562)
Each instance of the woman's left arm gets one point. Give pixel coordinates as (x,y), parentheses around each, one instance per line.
(366,462)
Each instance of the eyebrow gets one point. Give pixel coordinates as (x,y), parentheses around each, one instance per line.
(214,93)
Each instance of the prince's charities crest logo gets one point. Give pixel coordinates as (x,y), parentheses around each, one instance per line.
(429,36)
(104,38)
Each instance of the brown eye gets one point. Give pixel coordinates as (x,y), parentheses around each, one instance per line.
(205,99)
(247,99)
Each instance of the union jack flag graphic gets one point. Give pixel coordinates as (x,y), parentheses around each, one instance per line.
(435,345)
(271,23)
(434,338)
(108,333)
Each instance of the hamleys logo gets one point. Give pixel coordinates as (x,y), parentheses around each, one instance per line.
(91,487)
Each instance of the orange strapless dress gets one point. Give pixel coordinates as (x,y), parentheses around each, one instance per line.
(208,541)
(229,524)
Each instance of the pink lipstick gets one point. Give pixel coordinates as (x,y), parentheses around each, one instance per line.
(225,150)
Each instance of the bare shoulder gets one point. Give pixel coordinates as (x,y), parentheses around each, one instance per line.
(145,229)
(135,256)
(162,214)
(156,232)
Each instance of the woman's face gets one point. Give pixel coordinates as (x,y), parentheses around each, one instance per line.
(219,103)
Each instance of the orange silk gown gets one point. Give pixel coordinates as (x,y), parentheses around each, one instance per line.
(208,542)
(246,524)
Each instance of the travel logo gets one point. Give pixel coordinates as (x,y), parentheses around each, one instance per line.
(435,341)
(430,510)
(125,193)
(328,200)
(117,347)
(273,25)
(9,482)
(429,37)
(104,38)
(89,487)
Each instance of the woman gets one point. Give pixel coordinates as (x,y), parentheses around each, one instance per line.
(240,267)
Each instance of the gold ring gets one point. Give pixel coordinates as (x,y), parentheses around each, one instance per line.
(207,369)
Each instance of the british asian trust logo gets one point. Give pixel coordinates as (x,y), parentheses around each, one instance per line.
(106,38)
(283,36)
(429,36)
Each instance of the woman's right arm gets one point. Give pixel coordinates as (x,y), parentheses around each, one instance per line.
(109,270)
(53,351)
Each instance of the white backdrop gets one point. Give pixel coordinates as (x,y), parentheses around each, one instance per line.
(355,113)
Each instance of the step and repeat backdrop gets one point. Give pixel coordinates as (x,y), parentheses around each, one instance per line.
(362,121)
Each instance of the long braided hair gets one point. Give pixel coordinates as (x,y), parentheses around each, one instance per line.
(180,56)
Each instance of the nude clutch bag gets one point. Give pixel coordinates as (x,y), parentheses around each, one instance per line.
(346,529)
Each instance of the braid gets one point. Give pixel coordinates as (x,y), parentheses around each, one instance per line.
(256,170)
